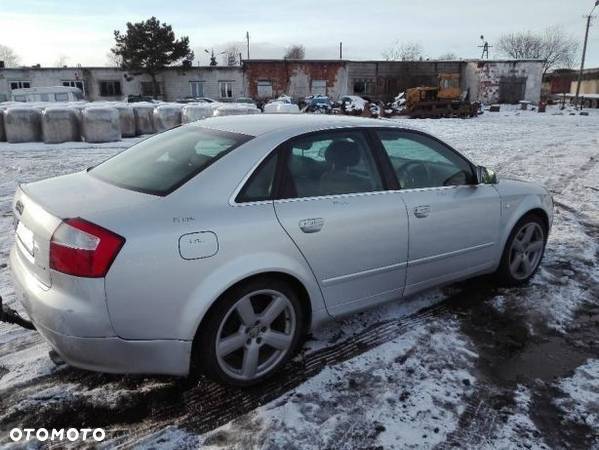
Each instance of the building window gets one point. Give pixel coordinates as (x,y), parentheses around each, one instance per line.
(110,88)
(79,84)
(264,88)
(364,87)
(319,87)
(197,88)
(226,89)
(147,88)
(20,85)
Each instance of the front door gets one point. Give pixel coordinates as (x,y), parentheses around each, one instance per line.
(453,221)
(351,231)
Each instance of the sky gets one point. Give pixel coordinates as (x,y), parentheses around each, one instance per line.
(81,32)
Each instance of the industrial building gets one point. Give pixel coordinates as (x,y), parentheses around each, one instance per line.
(488,81)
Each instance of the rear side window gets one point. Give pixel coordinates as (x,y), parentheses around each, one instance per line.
(162,163)
(261,183)
(330,164)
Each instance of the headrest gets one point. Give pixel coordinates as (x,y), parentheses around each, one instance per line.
(342,154)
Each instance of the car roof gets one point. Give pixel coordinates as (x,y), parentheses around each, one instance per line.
(290,124)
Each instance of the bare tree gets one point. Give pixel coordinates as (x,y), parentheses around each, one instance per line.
(404,51)
(449,56)
(61,61)
(553,46)
(10,58)
(231,55)
(113,60)
(296,51)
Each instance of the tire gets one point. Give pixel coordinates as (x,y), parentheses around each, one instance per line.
(242,346)
(521,259)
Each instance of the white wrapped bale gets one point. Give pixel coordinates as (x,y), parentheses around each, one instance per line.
(196,111)
(281,108)
(23,124)
(127,119)
(100,124)
(144,118)
(235,109)
(2,131)
(60,124)
(167,117)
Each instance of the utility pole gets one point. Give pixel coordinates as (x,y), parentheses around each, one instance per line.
(340,50)
(584,53)
(247,37)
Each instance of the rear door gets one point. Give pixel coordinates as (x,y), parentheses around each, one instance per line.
(351,230)
(453,222)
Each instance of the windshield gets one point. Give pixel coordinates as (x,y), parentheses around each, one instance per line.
(162,163)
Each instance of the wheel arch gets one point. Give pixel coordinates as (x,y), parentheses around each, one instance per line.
(292,280)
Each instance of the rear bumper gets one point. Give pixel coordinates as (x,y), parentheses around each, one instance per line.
(79,329)
(116,355)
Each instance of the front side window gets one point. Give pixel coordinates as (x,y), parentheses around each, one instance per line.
(226,89)
(162,163)
(61,97)
(420,161)
(329,164)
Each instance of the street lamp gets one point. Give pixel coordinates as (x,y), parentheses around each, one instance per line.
(584,52)
(213,57)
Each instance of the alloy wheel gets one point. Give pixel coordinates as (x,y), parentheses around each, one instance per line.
(526,250)
(255,334)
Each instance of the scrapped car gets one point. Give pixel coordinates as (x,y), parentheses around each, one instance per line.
(352,104)
(319,104)
(216,246)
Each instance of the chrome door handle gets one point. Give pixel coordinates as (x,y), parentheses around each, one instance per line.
(311,225)
(422,211)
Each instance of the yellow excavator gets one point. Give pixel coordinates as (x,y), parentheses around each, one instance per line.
(445,100)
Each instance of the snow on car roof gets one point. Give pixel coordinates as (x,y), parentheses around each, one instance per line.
(259,124)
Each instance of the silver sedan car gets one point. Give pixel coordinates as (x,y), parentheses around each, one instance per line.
(214,247)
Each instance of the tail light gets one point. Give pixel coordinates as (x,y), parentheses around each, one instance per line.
(83,249)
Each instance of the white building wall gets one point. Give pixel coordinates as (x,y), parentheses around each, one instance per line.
(483,78)
(174,82)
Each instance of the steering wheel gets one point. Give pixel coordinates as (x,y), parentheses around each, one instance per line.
(414,174)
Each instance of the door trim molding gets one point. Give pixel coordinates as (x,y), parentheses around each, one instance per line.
(415,262)
(365,273)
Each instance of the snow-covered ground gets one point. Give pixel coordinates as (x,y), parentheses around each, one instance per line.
(484,368)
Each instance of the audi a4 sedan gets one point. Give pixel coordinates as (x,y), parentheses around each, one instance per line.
(214,247)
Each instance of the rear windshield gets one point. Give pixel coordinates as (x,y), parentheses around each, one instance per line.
(162,163)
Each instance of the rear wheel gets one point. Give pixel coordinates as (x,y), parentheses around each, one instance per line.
(523,251)
(250,333)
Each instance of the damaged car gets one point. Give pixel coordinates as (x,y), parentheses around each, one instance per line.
(215,247)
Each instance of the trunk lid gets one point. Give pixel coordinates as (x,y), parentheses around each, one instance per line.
(39,208)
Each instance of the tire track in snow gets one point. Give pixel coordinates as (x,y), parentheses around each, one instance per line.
(198,408)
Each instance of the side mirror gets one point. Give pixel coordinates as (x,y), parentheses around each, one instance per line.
(485,176)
